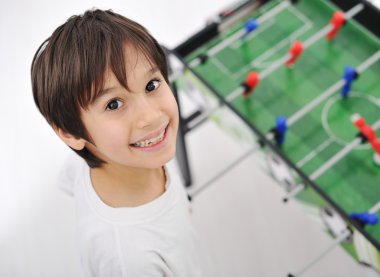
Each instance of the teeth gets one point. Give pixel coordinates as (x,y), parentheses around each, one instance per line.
(150,142)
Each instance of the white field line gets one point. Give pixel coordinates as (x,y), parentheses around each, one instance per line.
(308,24)
(253,34)
(257,62)
(299,14)
(221,67)
(269,14)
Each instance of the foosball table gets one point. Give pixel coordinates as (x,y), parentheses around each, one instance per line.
(304,76)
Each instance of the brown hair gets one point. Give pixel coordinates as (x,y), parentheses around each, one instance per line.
(68,68)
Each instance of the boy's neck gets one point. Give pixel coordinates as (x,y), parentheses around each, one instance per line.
(120,186)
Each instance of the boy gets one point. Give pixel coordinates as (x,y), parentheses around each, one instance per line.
(101,82)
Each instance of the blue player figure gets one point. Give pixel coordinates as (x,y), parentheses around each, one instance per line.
(366,218)
(280,130)
(350,74)
(250,26)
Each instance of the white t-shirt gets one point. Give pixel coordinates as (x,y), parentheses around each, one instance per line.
(154,239)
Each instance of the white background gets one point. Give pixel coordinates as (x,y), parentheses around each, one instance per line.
(37,220)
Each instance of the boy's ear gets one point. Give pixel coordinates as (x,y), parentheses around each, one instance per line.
(72,141)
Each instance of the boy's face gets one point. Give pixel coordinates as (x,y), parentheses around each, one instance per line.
(135,128)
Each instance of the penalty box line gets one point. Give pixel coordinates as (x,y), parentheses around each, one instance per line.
(271,51)
(308,23)
(240,33)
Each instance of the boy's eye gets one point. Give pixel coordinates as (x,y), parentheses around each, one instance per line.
(114,105)
(152,85)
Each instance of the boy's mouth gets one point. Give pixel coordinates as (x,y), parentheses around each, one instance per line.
(152,141)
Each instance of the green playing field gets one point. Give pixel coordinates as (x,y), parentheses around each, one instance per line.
(354,182)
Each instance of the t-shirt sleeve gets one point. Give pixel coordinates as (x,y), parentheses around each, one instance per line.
(69,172)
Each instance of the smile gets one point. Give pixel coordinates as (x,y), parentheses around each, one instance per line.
(151,142)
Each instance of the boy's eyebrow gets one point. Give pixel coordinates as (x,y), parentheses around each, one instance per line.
(107,90)
(101,94)
(153,70)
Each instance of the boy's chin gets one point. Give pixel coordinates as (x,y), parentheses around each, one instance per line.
(149,163)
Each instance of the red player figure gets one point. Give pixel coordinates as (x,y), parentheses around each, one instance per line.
(369,133)
(358,121)
(295,51)
(337,22)
(376,145)
(250,83)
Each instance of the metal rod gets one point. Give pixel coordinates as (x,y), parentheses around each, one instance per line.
(223,172)
(228,168)
(367,63)
(293,192)
(355,10)
(217,48)
(269,70)
(317,36)
(336,241)
(375,208)
(337,157)
(309,106)
(237,92)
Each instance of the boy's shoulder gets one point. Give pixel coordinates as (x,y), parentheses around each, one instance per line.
(70,172)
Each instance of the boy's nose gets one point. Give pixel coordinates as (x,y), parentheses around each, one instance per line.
(148,113)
